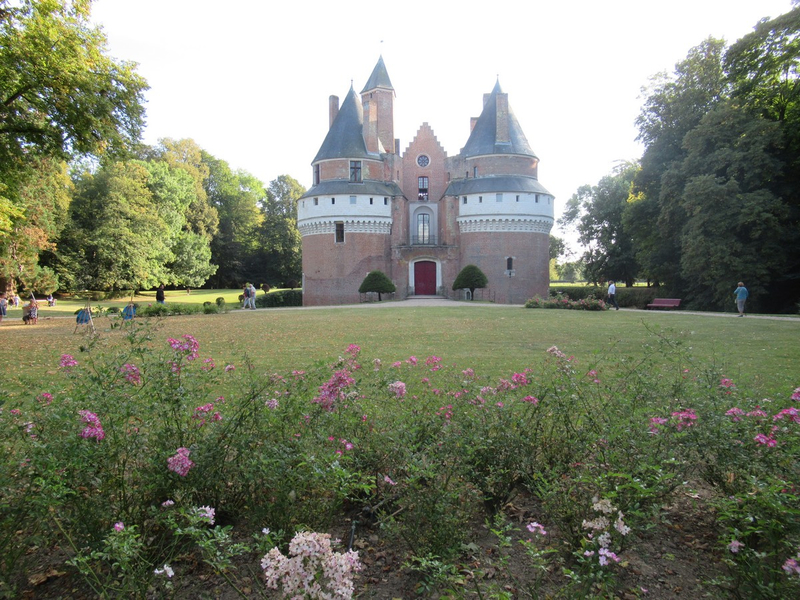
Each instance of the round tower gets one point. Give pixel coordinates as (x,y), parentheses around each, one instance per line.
(504,213)
(345,219)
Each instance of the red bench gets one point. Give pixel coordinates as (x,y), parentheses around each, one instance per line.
(665,303)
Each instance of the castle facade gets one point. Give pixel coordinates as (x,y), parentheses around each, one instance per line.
(421,216)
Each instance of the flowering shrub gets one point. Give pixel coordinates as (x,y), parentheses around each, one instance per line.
(563,301)
(147,453)
(312,569)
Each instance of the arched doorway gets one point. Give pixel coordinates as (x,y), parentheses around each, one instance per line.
(425,278)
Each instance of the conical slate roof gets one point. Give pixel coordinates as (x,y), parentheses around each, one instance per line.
(483,139)
(345,138)
(379,78)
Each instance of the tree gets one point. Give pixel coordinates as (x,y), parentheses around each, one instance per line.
(236,197)
(471,278)
(278,258)
(61,97)
(116,239)
(378,282)
(673,106)
(598,214)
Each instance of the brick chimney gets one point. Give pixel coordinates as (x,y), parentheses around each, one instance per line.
(502,119)
(333,109)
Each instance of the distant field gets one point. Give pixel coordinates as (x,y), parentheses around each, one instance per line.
(494,340)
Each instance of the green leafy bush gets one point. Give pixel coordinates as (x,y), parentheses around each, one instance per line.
(281,298)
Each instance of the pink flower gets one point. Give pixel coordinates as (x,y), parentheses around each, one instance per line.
(412,360)
(766,440)
(119,526)
(791,567)
(167,503)
(531,399)
(536,528)
(685,418)
(757,413)
(333,389)
(735,414)
(208,364)
(470,374)
(735,545)
(726,383)
(353,350)
(796,394)
(188,346)
(655,422)
(398,388)
(388,480)
(45,398)
(67,361)
(792,413)
(206,512)
(180,463)
(93,429)
(229,368)
(131,373)
(519,379)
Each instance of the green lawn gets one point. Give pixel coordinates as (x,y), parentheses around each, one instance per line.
(494,340)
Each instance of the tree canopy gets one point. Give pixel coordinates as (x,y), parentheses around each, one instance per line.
(470,278)
(377,282)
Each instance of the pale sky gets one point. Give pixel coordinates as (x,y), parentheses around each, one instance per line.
(249,80)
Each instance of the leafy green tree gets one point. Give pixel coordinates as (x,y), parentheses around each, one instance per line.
(116,239)
(377,282)
(61,97)
(236,197)
(279,257)
(673,106)
(470,278)
(598,214)
(202,217)
(43,194)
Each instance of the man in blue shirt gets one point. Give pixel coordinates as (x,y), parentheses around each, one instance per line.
(741,296)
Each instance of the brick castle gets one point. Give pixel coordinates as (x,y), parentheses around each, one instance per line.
(421,216)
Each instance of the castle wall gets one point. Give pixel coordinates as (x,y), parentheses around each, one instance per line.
(490,251)
(333,272)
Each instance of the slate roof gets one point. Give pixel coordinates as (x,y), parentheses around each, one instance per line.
(379,78)
(345,138)
(340,187)
(483,139)
(499,183)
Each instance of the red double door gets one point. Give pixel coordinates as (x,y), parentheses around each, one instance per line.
(425,278)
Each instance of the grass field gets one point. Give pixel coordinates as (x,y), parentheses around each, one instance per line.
(494,340)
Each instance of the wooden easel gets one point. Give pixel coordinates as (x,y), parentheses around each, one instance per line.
(85,316)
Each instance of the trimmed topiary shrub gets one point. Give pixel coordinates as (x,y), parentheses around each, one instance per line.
(280,299)
(377,282)
(470,278)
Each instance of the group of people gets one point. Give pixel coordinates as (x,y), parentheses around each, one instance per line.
(249,293)
(30,312)
(740,294)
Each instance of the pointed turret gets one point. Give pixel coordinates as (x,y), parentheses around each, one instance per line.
(497,130)
(379,78)
(345,137)
(377,99)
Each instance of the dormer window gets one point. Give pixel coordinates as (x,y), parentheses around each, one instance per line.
(355,171)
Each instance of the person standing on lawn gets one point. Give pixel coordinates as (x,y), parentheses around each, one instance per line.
(612,294)
(160,297)
(741,294)
(3,306)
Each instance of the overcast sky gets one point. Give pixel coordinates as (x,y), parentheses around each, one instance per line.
(249,80)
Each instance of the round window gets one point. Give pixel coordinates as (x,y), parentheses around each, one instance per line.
(423,161)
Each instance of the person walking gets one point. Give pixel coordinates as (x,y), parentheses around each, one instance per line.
(3,306)
(741,295)
(252,296)
(612,294)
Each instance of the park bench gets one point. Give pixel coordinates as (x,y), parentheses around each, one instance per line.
(665,303)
